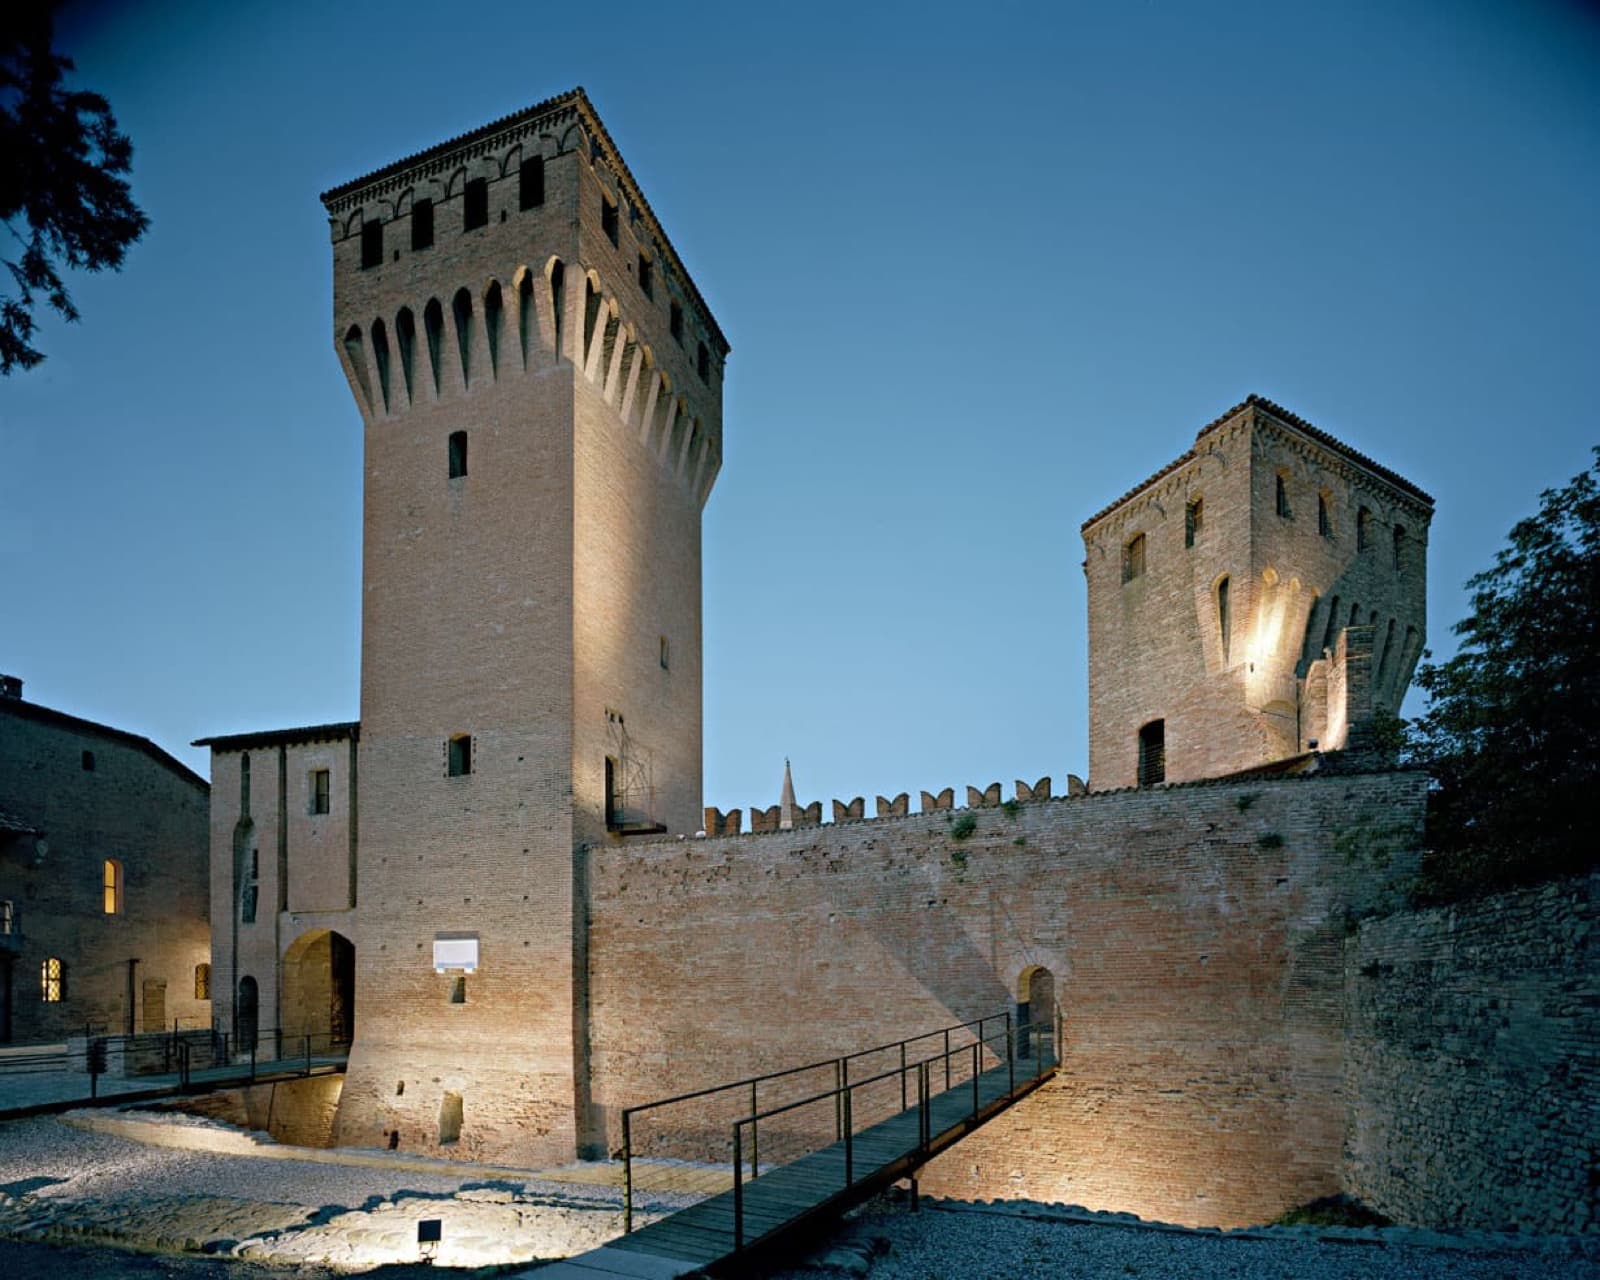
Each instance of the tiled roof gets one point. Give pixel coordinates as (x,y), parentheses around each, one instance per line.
(576,99)
(1288,419)
(49,715)
(282,737)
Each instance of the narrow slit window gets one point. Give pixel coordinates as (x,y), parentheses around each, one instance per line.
(1194,520)
(202,982)
(458,454)
(608,218)
(1324,516)
(1224,618)
(1133,558)
(111,886)
(702,362)
(371,244)
(666,656)
(530,183)
(1153,753)
(320,792)
(422,224)
(1363,528)
(475,212)
(87,760)
(613,797)
(458,756)
(1283,498)
(675,323)
(646,277)
(1399,546)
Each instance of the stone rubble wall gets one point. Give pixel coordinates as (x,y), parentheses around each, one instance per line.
(1472,1063)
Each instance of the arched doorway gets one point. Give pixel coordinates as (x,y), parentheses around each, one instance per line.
(319,988)
(1036,1012)
(247,1013)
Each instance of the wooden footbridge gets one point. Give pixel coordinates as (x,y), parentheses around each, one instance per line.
(763,1158)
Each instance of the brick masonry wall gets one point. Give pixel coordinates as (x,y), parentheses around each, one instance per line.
(1472,1071)
(131,808)
(1156,647)
(1193,934)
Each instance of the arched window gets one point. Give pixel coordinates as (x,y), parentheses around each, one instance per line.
(405,333)
(433,327)
(461,306)
(493,313)
(380,350)
(1224,617)
(111,886)
(558,299)
(53,980)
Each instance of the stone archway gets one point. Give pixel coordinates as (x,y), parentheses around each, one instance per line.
(1036,1011)
(319,981)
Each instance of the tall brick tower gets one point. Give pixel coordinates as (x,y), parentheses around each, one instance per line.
(1262,594)
(540,385)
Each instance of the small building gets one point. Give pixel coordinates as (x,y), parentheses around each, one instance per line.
(103,892)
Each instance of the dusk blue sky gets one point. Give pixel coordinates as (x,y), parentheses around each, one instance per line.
(983,268)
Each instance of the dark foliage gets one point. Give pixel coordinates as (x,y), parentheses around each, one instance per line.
(1510,730)
(61,197)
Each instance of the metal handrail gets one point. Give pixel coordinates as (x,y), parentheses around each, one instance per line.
(842,1092)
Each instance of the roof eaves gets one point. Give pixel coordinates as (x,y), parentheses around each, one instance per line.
(282,737)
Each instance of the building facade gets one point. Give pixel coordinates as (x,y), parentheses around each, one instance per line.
(1251,601)
(103,904)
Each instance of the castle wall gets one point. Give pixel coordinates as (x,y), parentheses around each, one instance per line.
(1193,934)
(1474,1062)
(130,807)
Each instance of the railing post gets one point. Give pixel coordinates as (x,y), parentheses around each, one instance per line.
(902,1075)
(755,1135)
(977,1046)
(849,1143)
(308,1053)
(738,1190)
(922,1105)
(627,1172)
(1011,1057)
(1060,1037)
(947,1057)
(838,1093)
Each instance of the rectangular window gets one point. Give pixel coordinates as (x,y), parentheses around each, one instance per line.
(675,322)
(1363,529)
(530,183)
(319,791)
(1324,518)
(202,982)
(1194,519)
(422,224)
(1133,558)
(475,212)
(646,277)
(1153,753)
(608,218)
(458,455)
(371,244)
(87,760)
(1283,499)
(702,363)
(52,980)
(458,756)
(613,796)
(111,886)
(1399,545)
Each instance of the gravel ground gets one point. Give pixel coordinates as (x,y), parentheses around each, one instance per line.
(63,1191)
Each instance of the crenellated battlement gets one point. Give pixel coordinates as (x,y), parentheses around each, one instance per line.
(730,823)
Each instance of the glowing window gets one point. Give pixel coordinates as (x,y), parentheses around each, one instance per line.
(202,982)
(53,980)
(111,885)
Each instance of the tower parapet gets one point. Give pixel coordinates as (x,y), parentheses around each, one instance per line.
(1220,591)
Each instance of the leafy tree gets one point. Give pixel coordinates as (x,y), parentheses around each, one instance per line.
(1510,729)
(61,196)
